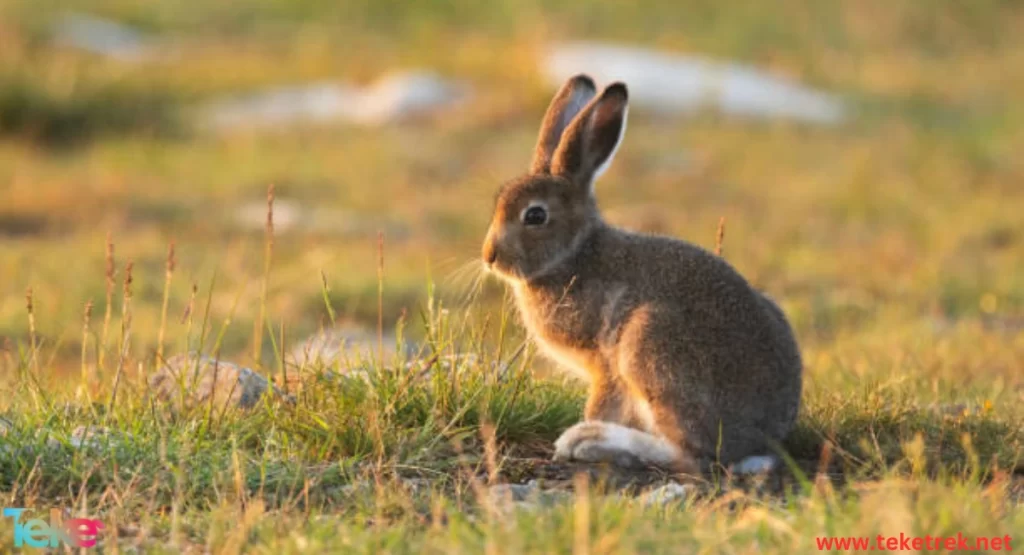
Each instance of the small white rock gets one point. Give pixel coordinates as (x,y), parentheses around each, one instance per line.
(528,497)
(5,427)
(90,436)
(668,83)
(393,98)
(192,380)
(347,344)
(101,36)
(758,464)
(513,492)
(291,216)
(666,494)
(408,94)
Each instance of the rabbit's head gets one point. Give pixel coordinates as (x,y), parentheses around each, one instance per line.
(541,219)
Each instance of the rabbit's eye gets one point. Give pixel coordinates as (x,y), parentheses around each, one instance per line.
(535,215)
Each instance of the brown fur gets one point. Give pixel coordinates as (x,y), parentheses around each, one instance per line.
(672,339)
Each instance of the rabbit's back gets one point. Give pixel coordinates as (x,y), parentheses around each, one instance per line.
(736,368)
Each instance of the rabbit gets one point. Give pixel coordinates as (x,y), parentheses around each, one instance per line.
(688,366)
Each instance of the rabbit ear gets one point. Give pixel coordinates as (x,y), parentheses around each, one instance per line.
(590,142)
(568,101)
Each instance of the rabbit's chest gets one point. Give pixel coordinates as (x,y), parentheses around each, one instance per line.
(578,361)
(563,331)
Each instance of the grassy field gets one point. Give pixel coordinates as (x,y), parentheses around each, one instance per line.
(894,242)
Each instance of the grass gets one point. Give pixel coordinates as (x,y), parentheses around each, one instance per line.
(894,243)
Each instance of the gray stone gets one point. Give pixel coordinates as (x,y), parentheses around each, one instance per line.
(94,436)
(195,380)
(394,98)
(291,216)
(513,492)
(352,352)
(667,83)
(755,465)
(356,488)
(529,496)
(417,485)
(347,346)
(669,493)
(82,437)
(101,36)
(5,427)
(454,364)
(90,437)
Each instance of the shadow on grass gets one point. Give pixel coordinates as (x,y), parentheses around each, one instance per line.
(29,110)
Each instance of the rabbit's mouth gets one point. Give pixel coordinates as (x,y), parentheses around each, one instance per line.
(490,255)
(503,268)
(501,271)
(494,263)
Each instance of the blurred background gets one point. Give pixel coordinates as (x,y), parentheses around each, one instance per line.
(865,155)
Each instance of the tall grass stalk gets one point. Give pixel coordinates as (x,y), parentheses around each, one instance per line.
(326,292)
(268,252)
(720,236)
(126,330)
(33,357)
(380,296)
(32,344)
(86,324)
(110,301)
(168,274)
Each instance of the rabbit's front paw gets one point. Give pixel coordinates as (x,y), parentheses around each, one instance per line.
(576,439)
(597,442)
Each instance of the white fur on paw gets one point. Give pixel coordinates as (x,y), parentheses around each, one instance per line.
(595,441)
(598,442)
(571,439)
(758,464)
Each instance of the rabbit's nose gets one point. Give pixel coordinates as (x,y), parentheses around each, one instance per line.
(490,254)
